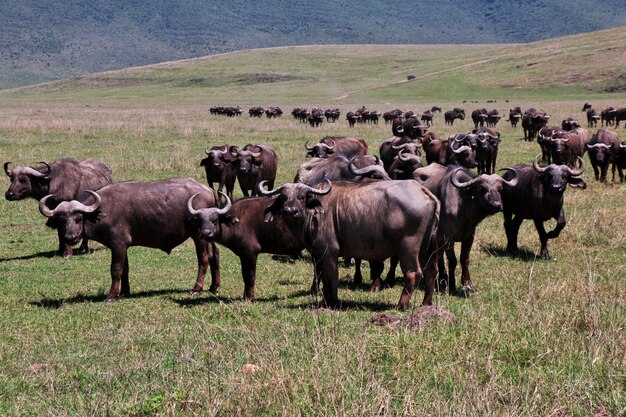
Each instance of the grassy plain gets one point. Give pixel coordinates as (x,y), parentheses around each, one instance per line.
(536,338)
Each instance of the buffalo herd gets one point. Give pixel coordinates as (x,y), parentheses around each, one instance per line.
(409,204)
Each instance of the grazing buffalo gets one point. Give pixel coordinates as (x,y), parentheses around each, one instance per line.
(603,149)
(67,179)
(220,166)
(255,164)
(487,146)
(126,214)
(372,221)
(240,226)
(347,145)
(451,115)
(532,121)
(538,195)
(466,199)
(479,117)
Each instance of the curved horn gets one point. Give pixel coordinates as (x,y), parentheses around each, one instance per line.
(190,208)
(323,191)
(233,150)
(6,168)
(403,158)
(43,174)
(458,184)
(399,147)
(306,146)
(35,173)
(206,150)
(257,154)
(226,207)
(261,188)
(513,181)
(93,207)
(459,137)
(536,165)
(331,147)
(43,209)
(599,145)
(622,145)
(365,170)
(580,170)
(461,149)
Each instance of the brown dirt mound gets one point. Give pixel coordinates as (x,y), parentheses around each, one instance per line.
(420,318)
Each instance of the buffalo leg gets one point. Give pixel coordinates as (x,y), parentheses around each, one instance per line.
(466,247)
(596,172)
(248,271)
(207,253)
(119,273)
(358,276)
(511,227)
(452,262)
(412,274)
(543,236)
(327,270)
(214,264)
(84,246)
(390,280)
(376,270)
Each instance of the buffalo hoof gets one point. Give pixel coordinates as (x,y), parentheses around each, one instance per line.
(467,288)
(194,293)
(375,287)
(213,290)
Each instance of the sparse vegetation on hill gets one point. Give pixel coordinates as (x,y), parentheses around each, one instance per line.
(55,39)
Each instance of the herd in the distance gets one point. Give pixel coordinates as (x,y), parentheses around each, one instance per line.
(410,204)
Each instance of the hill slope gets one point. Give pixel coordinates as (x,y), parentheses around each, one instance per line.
(577,66)
(57,39)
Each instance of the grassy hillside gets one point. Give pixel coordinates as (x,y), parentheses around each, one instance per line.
(41,41)
(535,338)
(574,66)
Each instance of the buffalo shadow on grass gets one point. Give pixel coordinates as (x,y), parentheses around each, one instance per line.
(47,254)
(54,303)
(522,254)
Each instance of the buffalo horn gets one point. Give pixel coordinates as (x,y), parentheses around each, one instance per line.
(35,173)
(599,145)
(513,181)
(190,208)
(622,145)
(330,147)
(206,150)
(458,184)
(580,170)
(92,207)
(365,170)
(536,165)
(461,149)
(400,147)
(257,154)
(6,168)
(270,192)
(322,191)
(459,137)
(233,150)
(226,207)
(43,209)
(306,146)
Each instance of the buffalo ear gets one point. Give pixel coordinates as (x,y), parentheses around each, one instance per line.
(96,216)
(577,183)
(271,211)
(315,206)
(229,219)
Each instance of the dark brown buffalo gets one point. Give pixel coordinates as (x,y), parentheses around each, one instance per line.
(332,115)
(346,145)
(587,106)
(538,196)
(67,179)
(487,146)
(336,168)
(255,111)
(316,117)
(404,131)
(427,117)
(391,115)
(620,114)
(372,221)
(603,149)
(466,199)
(407,161)
(621,159)
(255,163)
(592,118)
(352,118)
(607,116)
(515,115)
(126,214)
(493,117)
(570,123)
(532,121)
(479,117)
(220,166)
(241,227)
(451,115)
(565,148)
(456,150)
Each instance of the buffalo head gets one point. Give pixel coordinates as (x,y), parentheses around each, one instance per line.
(69,216)
(556,177)
(294,201)
(320,149)
(209,218)
(600,152)
(24,180)
(485,189)
(249,161)
(217,158)
(463,153)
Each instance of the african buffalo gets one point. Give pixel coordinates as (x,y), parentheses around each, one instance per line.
(479,117)
(67,179)
(532,121)
(220,166)
(126,214)
(371,221)
(455,150)
(487,146)
(515,115)
(607,116)
(603,149)
(592,118)
(570,123)
(466,199)
(347,145)
(336,168)
(452,115)
(538,195)
(620,114)
(255,164)
(493,117)
(240,226)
